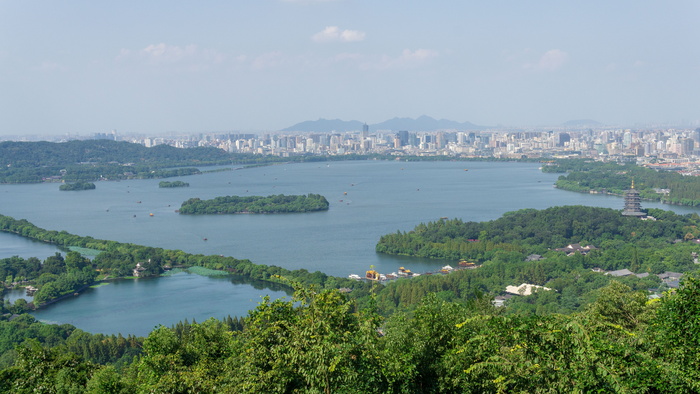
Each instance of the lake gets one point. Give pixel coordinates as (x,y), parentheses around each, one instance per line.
(138,306)
(368,199)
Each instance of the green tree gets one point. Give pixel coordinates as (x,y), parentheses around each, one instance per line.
(39,369)
(310,343)
(617,304)
(677,329)
(107,380)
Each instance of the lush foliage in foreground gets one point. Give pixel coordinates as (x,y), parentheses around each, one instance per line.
(96,348)
(319,342)
(279,203)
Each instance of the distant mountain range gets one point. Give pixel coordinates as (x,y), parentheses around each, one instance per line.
(422,123)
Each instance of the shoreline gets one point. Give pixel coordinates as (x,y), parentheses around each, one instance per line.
(593,191)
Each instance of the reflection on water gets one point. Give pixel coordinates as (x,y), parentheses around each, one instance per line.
(13,295)
(258,284)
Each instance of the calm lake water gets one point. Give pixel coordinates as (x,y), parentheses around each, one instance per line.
(368,199)
(12,245)
(138,306)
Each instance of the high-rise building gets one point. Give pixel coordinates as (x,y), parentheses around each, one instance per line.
(627,139)
(402,135)
(440,141)
(563,138)
(687,146)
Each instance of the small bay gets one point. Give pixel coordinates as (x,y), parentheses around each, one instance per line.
(138,306)
(13,245)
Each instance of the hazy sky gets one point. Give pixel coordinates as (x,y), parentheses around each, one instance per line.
(199,66)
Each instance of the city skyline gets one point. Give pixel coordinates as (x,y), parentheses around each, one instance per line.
(80,68)
(663,147)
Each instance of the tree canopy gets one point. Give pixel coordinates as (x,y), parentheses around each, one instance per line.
(655,185)
(320,342)
(279,203)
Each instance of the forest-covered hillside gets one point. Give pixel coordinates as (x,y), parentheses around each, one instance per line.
(532,230)
(521,247)
(90,160)
(40,154)
(657,185)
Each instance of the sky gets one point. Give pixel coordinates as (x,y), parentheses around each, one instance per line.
(155,67)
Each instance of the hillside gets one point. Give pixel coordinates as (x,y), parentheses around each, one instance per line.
(32,154)
(91,160)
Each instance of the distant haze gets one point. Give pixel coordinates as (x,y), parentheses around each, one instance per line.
(160,66)
(422,123)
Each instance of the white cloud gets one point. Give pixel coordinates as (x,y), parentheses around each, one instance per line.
(407,59)
(267,60)
(189,57)
(352,35)
(168,53)
(551,60)
(123,54)
(333,33)
(417,55)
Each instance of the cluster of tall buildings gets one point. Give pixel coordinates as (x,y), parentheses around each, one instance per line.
(670,146)
(674,145)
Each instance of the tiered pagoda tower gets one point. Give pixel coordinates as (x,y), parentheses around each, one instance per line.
(633,203)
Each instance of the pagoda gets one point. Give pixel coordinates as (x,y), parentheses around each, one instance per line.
(633,203)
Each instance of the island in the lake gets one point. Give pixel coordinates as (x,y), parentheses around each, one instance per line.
(77,186)
(279,203)
(166,184)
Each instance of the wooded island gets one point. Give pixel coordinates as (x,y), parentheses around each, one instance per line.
(279,203)
(166,184)
(77,186)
